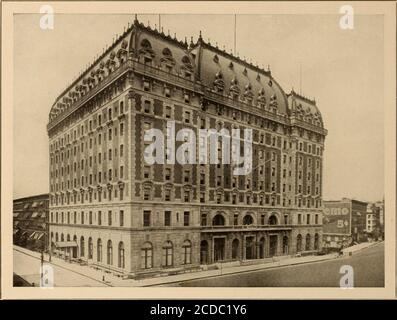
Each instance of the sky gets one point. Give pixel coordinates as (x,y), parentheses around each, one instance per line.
(341,69)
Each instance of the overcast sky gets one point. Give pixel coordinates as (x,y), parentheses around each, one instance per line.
(341,69)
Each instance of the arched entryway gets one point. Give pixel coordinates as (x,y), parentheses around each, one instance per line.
(75,247)
(204,252)
(249,248)
(262,248)
(316,242)
(299,243)
(308,244)
(219,249)
(273,245)
(235,249)
(285,245)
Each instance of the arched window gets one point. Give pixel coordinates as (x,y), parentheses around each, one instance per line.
(167,52)
(285,245)
(82,246)
(146,44)
(299,243)
(90,248)
(147,256)
(99,250)
(56,237)
(168,255)
(121,263)
(109,252)
(62,237)
(218,220)
(187,252)
(248,220)
(272,220)
(235,249)
(307,244)
(316,242)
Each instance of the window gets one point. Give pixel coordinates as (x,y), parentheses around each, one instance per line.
(121,129)
(147,106)
(121,260)
(82,246)
(308,219)
(168,254)
(82,215)
(187,116)
(167,196)
(168,112)
(146,218)
(146,172)
(147,256)
(202,197)
(167,174)
(203,219)
(299,218)
(186,218)
(187,252)
(121,150)
(110,252)
(99,218)
(235,219)
(90,248)
(186,176)
(99,250)
(121,218)
(186,196)
(167,218)
(109,218)
(90,217)
(316,219)
(146,194)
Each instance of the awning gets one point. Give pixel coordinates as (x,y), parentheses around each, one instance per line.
(40,235)
(16,223)
(16,214)
(15,231)
(65,244)
(34,215)
(34,205)
(32,235)
(26,206)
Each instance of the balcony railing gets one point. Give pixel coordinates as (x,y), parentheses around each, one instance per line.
(251,227)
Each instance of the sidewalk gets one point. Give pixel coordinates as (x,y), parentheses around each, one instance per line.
(223,269)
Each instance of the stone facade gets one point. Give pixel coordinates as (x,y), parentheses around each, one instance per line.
(132,217)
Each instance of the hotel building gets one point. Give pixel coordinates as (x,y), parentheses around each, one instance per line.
(111,209)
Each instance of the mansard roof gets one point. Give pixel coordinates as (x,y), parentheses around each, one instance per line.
(304,109)
(214,69)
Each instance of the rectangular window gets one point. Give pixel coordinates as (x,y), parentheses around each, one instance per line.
(121,218)
(146,218)
(110,218)
(99,218)
(186,218)
(203,219)
(167,218)
(168,112)
(167,174)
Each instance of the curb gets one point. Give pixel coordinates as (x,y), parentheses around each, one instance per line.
(239,272)
(63,267)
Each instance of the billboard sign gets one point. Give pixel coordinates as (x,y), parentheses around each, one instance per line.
(336,218)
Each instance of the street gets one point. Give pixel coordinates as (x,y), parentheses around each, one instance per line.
(368,267)
(28,267)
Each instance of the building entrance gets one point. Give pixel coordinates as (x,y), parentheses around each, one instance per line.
(273,245)
(219,249)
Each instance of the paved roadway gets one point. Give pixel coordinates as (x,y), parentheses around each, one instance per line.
(28,268)
(368,266)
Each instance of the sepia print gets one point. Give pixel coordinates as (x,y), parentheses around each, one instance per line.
(199,150)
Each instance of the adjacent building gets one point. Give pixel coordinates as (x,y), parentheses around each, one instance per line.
(344,223)
(113,210)
(30,228)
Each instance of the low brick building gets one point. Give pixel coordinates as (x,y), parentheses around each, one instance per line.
(30,228)
(344,223)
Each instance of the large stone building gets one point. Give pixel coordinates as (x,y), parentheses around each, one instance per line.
(112,209)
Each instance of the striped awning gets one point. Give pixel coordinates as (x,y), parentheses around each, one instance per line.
(15,214)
